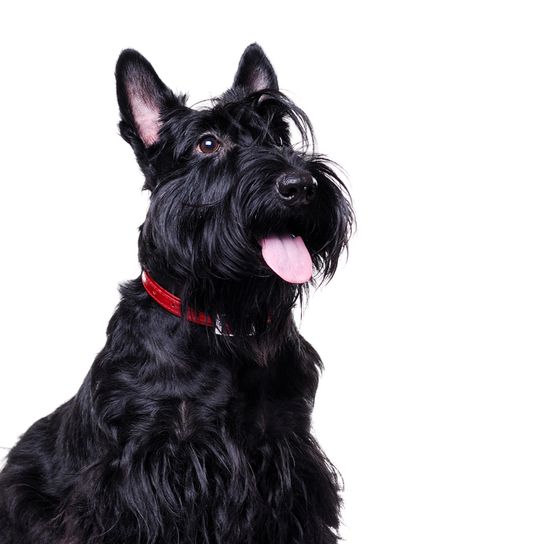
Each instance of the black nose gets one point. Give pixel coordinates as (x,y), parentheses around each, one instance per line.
(296,189)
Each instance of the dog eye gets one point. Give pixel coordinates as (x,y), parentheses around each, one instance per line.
(208,144)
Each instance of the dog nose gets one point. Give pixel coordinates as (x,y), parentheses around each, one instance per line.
(296,189)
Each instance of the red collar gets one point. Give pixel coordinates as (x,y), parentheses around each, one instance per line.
(172,303)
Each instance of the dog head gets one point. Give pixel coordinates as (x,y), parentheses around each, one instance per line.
(241,218)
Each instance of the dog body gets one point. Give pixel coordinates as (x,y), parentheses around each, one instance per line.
(193,424)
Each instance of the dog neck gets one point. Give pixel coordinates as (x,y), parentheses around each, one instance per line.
(242,321)
(175,306)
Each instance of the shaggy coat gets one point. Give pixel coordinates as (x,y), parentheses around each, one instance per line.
(180,435)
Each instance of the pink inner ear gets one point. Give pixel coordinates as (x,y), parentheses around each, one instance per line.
(260,81)
(146,117)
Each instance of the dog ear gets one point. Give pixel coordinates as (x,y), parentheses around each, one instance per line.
(255,72)
(142,96)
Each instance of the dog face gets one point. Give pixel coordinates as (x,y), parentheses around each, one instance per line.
(232,199)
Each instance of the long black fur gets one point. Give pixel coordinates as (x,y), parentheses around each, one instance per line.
(179,435)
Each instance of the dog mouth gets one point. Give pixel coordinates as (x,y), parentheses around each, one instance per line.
(288,256)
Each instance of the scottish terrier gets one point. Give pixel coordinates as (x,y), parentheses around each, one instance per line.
(194,422)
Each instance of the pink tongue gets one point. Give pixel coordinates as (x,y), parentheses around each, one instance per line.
(288,257)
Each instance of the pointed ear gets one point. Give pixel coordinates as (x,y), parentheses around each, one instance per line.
(255,73)
(141,96)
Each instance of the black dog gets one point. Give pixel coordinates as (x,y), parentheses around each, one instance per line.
(193,424)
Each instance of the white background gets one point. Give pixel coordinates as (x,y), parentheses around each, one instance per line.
(432,403)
